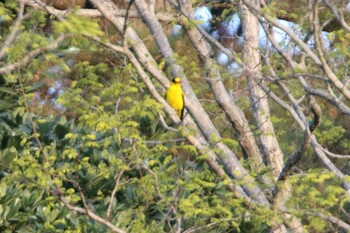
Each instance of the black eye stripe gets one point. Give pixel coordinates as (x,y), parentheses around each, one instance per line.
(176,80)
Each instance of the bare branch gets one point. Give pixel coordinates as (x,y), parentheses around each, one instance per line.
(178,223)
(330,154)
(296,75)
(264,16)
(339,15)
(283,104)
(111,199)
(326,68)
(332,219)
(93,13)
(91,214)
(330,96)
(329,164)
(165,126)
(306,141)
(154,142)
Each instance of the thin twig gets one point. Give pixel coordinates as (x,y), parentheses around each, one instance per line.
(12,35)
(91,214)
(156,185)
(198,229)
(108,215)
(164,124)
(154,142)
(338,156)
(35,133)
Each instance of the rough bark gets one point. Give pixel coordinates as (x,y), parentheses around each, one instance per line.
(232,111)
(261,109)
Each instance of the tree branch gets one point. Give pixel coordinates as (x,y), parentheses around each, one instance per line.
(91,214)
(32,54)
(156,183)
(93,13)
(222,97)
(316,110)
(338,14)
(330,154)
(332,219)
(165,126)
(111,199)
(12,35)
(336,101)
(326,68)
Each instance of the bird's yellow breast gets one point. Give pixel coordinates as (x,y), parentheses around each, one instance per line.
(174,96)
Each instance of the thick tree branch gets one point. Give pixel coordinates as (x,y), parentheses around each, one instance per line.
(271,150)
(222,97)
(94,13)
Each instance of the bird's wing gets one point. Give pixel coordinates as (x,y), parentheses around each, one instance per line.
(166,94)
(183,106)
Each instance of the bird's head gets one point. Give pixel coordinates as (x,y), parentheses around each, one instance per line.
(176,80)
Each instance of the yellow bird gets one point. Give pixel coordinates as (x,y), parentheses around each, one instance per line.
(175,97)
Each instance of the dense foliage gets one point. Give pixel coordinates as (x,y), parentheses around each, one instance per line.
(100,146)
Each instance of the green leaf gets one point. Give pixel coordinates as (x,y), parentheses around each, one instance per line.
(8,90)
(7,156)
(35,86)
(5,105)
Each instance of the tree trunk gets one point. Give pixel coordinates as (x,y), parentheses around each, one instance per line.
(232,111)
(251,57)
